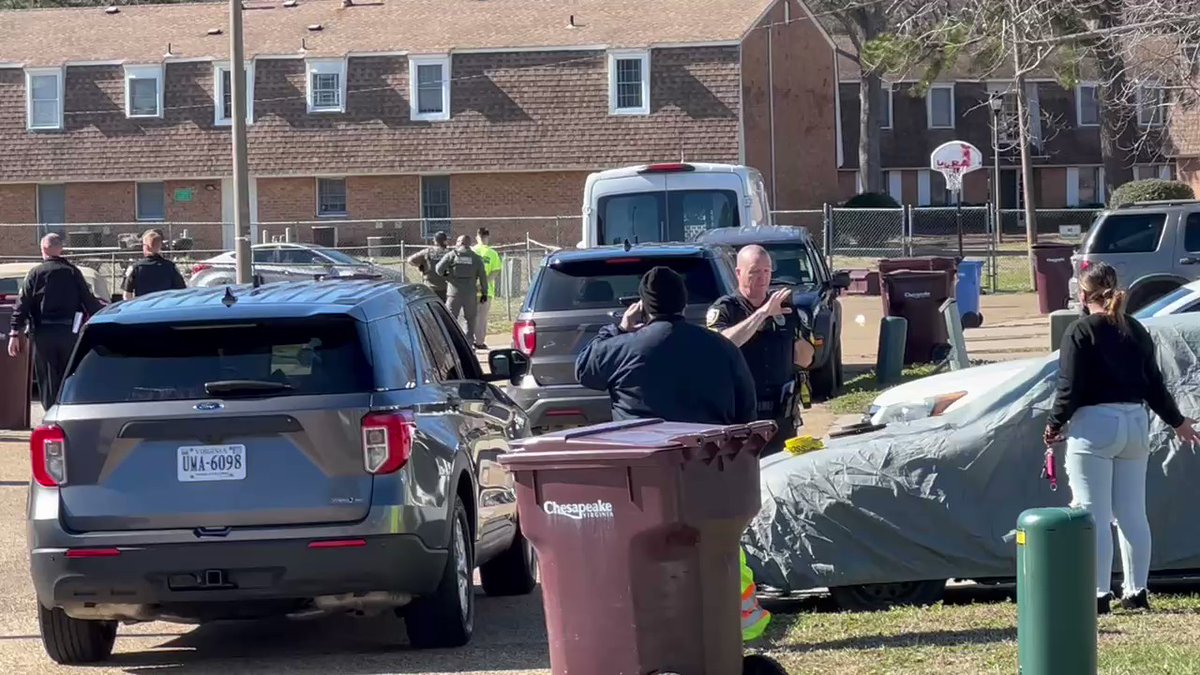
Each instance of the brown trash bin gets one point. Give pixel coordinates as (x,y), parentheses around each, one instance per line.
(15,381)
(918,296)
(637,526)
(927,263)
(1052,270)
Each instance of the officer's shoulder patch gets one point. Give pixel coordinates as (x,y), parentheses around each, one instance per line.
(712,316)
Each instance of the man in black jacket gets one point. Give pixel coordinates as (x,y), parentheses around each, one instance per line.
(54,301)
(153,272)
(655,364)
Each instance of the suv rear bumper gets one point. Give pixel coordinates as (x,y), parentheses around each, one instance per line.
(563,406)
(256,578)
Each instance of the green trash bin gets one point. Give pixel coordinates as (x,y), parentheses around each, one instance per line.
(1056,592)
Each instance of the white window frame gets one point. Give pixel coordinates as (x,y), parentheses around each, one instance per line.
(1079,104)
(1163,172)
(44,72)
(155,73)
(929,105)
(613,57)
(219,69)
(889,90)
(325,67)
(137,202)
(1073,184)
(345,195)
(414,111)
(1158,112)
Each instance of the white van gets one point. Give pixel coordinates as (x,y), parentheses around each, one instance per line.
(671,202)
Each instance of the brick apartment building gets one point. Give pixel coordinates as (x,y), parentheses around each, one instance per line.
(1065,137)
(122,115)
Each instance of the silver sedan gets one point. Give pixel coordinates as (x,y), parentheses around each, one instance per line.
(288,262)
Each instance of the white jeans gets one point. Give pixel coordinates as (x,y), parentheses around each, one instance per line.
(1107,450)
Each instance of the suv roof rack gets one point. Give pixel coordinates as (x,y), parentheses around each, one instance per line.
(1161,202)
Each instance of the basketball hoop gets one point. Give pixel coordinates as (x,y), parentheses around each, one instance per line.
(954,160)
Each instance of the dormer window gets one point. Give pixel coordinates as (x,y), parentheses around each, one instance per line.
(44,99)
(223,94)
(144,91)
(629,83)
(429,88)
(326,85)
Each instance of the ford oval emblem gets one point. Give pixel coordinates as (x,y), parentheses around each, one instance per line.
(209,405)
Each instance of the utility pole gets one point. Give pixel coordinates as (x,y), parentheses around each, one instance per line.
(241,169)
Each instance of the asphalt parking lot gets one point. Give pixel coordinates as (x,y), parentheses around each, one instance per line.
(510,634)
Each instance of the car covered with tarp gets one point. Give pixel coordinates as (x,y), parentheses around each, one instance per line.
(887,517)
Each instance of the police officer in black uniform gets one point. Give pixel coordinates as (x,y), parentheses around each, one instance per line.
(656,364)
(773,338)
(152,273)
(54,301)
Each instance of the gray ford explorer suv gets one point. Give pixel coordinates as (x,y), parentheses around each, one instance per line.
(577,292)
(288,450)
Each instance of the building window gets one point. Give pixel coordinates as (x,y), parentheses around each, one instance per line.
(885,106)
(51,204)
(151,201)
(1085,186)
(429,89)
(1087,101)
(143,91)
(44,91)
(327,85)
(223,94)
(435,205)
(1008,129)
(331,197)
(940,106)
(629,83)
(1150,102)
(1148,171)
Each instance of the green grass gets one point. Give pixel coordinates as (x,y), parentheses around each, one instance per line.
(859,391)
(975,638)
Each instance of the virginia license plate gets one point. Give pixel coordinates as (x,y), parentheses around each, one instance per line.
(211,462)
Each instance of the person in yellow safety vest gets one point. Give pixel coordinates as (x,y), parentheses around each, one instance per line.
(755,619)
(492,267)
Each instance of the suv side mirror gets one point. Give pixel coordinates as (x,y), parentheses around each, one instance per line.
(507,364)
(841,279)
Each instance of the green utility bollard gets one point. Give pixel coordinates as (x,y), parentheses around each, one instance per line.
(1056,592)
(889,359)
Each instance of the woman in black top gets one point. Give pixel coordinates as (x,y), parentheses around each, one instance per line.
(1107,374)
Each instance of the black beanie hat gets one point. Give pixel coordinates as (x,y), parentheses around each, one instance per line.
(663,292)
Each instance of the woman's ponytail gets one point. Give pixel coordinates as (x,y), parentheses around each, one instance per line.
(1099,286)
(1114,307)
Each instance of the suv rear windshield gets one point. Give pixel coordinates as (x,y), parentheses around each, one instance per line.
(158,362)
(10,286)
(675,215)
(588,284)
(792,263)
(1126,233)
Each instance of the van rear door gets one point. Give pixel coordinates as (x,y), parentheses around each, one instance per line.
(666,206)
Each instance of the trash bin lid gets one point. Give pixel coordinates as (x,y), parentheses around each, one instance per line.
(632,440)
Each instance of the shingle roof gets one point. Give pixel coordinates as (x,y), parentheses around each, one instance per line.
(141,33)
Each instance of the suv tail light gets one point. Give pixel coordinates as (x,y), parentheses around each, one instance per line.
(525,337)
(387,441)
(1084,265)
(48,455)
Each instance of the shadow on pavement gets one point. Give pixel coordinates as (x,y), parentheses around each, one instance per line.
(940,638)
(509,635)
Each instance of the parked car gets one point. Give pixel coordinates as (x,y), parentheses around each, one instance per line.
(289,262)
(798,263)
(295,449)
(12,275)
(674,201)
(578,291)
(1154,246)
(945,392)
(887,517)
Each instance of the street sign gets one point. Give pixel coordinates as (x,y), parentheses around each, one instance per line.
(183,194)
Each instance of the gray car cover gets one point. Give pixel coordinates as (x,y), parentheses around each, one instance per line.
(939,498)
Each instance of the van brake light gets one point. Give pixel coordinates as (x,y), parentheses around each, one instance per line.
(675,167)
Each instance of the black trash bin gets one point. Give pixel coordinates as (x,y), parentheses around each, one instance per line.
(917,295)
(1052,270)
